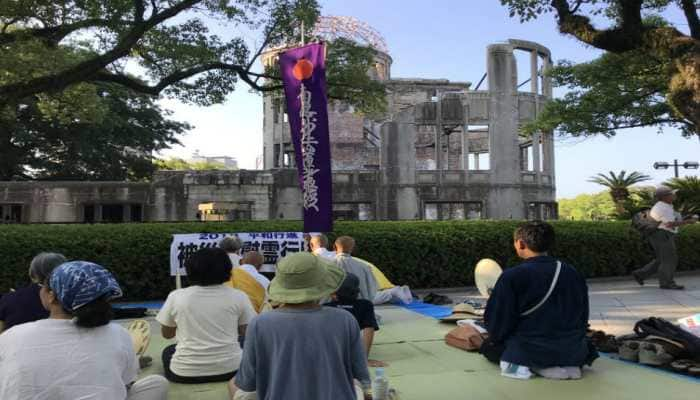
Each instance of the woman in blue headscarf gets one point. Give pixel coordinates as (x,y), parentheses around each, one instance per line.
(76,353)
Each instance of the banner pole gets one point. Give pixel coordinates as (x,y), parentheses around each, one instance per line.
(178,279)
(303,38)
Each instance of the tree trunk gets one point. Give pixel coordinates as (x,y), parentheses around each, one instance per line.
(684,88)
(10,154)
(665,43)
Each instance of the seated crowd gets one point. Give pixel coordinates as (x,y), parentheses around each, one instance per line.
(232,324)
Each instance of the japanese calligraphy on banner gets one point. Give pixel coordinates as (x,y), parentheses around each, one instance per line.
(272,245)
(303,72)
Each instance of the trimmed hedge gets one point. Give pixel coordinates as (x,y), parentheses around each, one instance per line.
(421,254)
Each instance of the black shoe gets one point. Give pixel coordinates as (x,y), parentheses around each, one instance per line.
(672,286)
(637,278)
(441,300)
(429,298)
(436,299)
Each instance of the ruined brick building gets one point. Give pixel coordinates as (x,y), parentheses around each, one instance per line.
(442,151)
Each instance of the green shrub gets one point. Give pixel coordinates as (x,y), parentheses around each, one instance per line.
(421,254)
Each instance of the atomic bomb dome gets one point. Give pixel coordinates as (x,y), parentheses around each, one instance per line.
(336,27)
(330,28)
(443,150)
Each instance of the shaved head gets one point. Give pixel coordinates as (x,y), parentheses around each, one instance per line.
(345,244)
(253,258)
(318,241)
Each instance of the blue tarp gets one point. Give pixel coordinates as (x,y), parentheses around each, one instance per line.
(429,310)
(151,305)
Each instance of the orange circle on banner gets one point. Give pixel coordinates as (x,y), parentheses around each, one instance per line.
(303,69)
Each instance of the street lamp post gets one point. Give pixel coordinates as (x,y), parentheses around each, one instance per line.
(676,165)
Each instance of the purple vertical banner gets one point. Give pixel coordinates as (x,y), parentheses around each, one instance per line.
(303,72)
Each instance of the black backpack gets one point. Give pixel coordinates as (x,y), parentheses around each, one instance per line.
(643,223)
(659,327)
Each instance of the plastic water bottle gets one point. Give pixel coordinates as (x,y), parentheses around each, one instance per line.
(380,385)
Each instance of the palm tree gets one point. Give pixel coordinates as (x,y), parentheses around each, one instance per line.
(688,197)
(619,185)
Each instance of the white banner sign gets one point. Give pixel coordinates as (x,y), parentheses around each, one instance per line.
(272,245)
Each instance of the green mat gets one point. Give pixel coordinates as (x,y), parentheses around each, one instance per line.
(422,366)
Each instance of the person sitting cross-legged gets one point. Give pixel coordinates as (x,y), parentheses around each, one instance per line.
(300,350)
(76,353)
(207,317)
(232,246)
(319,246)
(24,304)
(386,292)
(344,246)
(363,310)
(252,262)
(537,314)
(247,278)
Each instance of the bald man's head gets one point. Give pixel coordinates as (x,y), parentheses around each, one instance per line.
(253,258)
(345,244)
(318,241)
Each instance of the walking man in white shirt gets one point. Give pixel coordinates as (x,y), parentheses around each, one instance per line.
(663,240)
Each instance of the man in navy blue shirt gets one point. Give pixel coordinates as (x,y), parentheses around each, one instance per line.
(24,304)
(21,306)
(527,327)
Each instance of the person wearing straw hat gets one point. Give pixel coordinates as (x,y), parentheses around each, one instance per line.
(663,240)
(320,347)
(76,353)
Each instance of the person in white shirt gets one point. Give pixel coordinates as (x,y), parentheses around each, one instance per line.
(77,353)
(232,246)
(663,240)
(319,246)
(207,318)
(251,263)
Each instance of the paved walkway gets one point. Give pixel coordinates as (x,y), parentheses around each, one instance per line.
(617,304)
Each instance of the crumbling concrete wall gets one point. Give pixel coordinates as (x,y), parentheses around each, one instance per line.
(396,167)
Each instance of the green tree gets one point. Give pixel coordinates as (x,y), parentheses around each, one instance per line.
(59,145)
(168,41)
(608,94)
(619,185)
(688,196)
(587,207)
(657,63)
(179,164)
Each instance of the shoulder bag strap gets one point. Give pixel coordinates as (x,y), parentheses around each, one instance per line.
(549,293)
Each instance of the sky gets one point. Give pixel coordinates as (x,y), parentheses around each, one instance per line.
(447,39)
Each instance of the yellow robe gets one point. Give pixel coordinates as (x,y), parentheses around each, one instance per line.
(245,282)
(383,282)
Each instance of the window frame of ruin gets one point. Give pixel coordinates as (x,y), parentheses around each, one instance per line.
(12,213)
(543,210)
(467,207)
(351,210)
